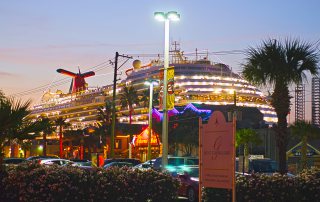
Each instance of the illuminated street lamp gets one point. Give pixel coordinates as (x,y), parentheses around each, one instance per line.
(166,18)
(150,83)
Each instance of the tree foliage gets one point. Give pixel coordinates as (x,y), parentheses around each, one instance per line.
(145,97)
(304,131)
(128,99)
(277,65)
(184,131)
(14,124)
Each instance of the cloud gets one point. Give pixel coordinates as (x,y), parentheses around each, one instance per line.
(6,74)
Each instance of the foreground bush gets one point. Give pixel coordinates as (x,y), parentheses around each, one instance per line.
(38,183)
(264,188)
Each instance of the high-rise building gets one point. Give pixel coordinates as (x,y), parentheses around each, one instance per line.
(300,102)
(316,101)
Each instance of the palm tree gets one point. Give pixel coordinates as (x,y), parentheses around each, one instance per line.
(245,137)
(25,146)
(61,123)
(128,98)
(12,115)
(47,129)
(15,126)
(279,65)
(305,131)
(184,132)
(105,117)
(145,98)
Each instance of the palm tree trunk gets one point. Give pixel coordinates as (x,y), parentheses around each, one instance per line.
(130,116)
(281,103)
(81,148)
(60,142)
(130,121)
(44,144)
(13,147)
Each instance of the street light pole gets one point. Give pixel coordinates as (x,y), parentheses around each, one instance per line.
(150,120)
(166,17)
(165,89)
(150,83)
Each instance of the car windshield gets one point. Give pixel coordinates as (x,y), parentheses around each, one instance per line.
(264,166)
(175,161)
(192,161)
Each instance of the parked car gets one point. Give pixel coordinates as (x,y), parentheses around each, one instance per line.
(35,158)
(189,178)
(262,165)
(118,164)
(128,160)
(146,165)
(60,162)
(80,162)
(13,161)
(174,161)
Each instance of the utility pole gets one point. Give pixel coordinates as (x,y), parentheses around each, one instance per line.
(114,101)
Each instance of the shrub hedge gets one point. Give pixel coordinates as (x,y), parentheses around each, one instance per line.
(264,188)
(34,182)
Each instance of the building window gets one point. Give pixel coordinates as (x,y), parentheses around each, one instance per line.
(117,144)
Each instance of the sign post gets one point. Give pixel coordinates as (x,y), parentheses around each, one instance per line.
(217,153)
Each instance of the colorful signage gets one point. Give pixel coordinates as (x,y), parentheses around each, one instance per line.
(170,88)
(216,153)
(141,140)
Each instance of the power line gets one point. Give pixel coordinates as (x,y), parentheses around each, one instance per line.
(229,52)
(60,82)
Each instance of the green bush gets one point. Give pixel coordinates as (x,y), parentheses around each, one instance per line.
(266,188)
(308,184)
(34,182)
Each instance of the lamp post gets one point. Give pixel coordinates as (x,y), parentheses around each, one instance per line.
(151,83)
(166,18)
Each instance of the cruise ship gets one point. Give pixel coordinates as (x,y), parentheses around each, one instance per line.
(197,81)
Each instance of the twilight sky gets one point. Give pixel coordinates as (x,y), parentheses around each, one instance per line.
(38,37)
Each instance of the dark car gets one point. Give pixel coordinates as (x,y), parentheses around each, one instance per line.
(81,162)
(118,164)
(146,165)
(60,162)
(189,178)
(35,158)
(13,161)
(263,165)
(132,161)
(174,161)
